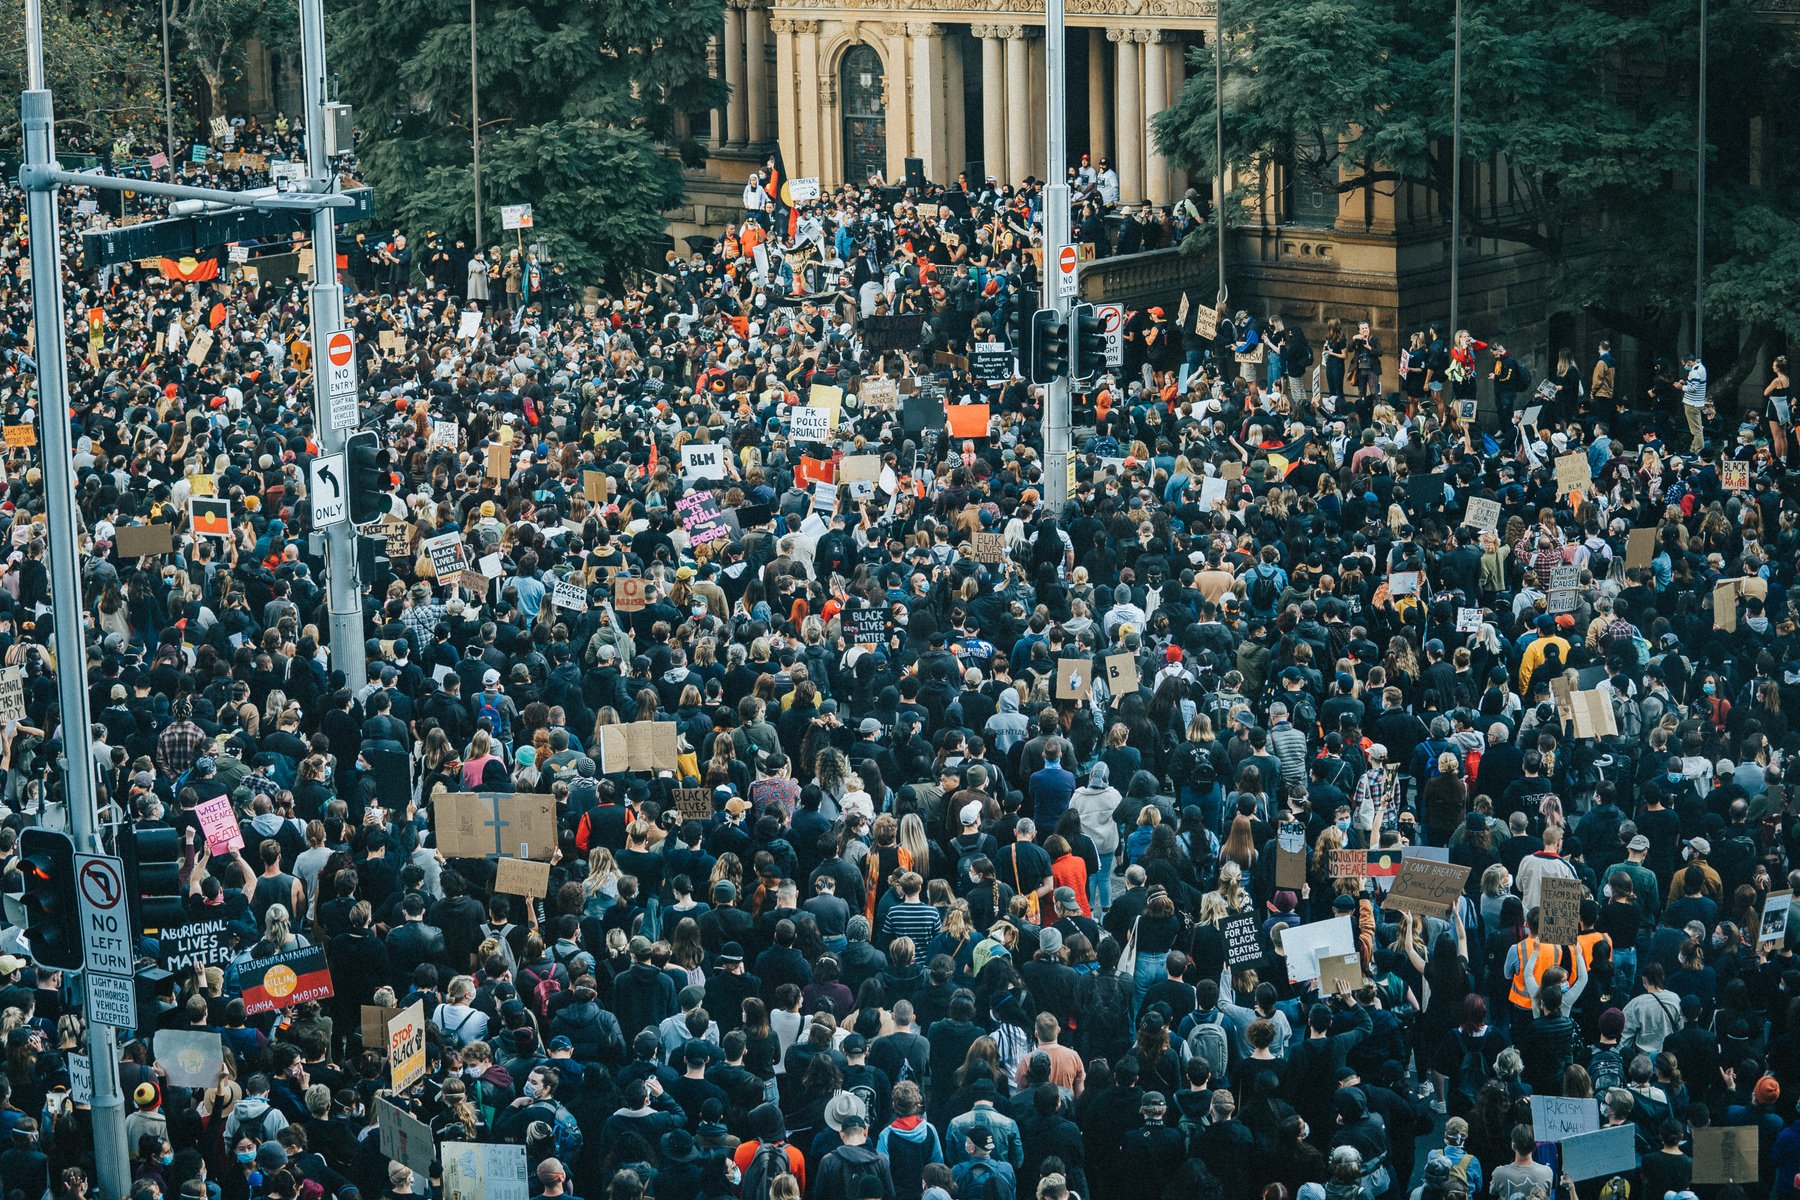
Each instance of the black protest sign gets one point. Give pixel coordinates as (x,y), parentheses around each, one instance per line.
(201,942)
(865,626)
(1243,942)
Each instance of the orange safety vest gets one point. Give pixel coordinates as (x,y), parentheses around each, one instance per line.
(1587,942)
(1532,958)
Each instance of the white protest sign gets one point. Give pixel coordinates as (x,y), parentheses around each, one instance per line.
(1468,620)
(1554,1118)
(803,190)
(1305,945)
(703,461)
(569,594)
(810,424)
(515,216)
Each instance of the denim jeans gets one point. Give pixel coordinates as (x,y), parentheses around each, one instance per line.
(1624,976)
(1151,969)
(1099,884)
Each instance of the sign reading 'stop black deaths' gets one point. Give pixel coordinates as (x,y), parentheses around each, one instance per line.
(1243,942)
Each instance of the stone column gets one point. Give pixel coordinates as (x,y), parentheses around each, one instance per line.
(956,140)
(993,113)
(1099,111)
(1177,51)
(1018,106)
(808,149)
(734,73)
(786,118)
(896,85)
(715,55)
(756,74)
(1156,98)
(924,44)
(1130,108)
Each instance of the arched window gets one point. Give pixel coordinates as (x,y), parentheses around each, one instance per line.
(865,114)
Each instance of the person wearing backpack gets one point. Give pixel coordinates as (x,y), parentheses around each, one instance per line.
(1207,1034)
(981,1176)
(767,1154)
(494,706)
(855,1170)
(254,1116)
(1265,583)
(541,978)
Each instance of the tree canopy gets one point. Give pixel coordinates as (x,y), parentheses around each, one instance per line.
(579,104)
(1591,102)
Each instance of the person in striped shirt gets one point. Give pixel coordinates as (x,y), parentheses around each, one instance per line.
(911,917)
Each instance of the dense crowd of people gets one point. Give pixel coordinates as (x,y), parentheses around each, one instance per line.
(942,889)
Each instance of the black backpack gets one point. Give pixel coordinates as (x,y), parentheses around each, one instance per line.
(1263,592)
(770,1160)
(987,1183)
(1297,355)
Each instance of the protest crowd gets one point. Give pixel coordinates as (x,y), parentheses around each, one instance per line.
(758,792)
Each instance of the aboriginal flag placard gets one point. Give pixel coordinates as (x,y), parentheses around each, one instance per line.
(211,516)
(284,980)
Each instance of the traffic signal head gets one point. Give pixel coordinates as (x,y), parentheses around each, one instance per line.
(371,484)
(1090,342)
(1049,346)
(153,860)
(52,915)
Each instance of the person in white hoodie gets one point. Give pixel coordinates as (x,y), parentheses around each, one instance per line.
(1096,802)
(1008,726)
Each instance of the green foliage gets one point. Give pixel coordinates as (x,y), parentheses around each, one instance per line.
(578,106)
(1591,103)
(104,68)
(212,34)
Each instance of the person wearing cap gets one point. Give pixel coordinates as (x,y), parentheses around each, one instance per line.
(728,985)
(845,1171)
(643,996)
(146,1119)
(646,1110)
(979,1172)
(1154,1147)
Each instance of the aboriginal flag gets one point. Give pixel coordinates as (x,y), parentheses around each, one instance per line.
(211,516)
(284,980)
(777,187)
(189,269)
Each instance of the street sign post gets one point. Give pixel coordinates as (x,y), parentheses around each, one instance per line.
(112,1000)
(330,502)
(340,374)
(1113,316)
(1066,284)
(105,914)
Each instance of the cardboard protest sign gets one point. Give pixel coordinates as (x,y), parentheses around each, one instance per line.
(200,347)
(1573,473)
(1592,712)
(220,826)
(1468,620)
(1206,322)
(1559,910)
(405,1138)
(1121,674)
(20,437)
(392,342)
(638,746)
(189,1058)
(1601,1153)
(1728,1154)
(596,486)
(1640,547)
(406,1046)
(1563,601)
(499,460)
(1074,678)
(1554,1118)
(855,467)
(1290,868)
(141,541)
(1304,945)
(522,877)
(284,980)
(1734,475)
(492,824)
(694,804)
(1773,927)
(967,420)
(990,547)
(1425,887)
(703,461)
(1243,942)
(628,593)
(827,397)
(1725,604)
(1565,578)
(1336,967)
(879,392)
(375,1018)
(1482,514)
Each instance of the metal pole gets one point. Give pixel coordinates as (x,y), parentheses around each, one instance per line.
(1700,200)
(475,120)
(1224,295)
(111,1159)
(343,588)
(1056,236)
(1456,178)
(168,98)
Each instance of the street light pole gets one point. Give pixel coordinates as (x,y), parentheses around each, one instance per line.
(1700,200)
(1056,236)
(168,98)
(37,117)
(343,588)
(475,120)
(1456,177)
(1224,295)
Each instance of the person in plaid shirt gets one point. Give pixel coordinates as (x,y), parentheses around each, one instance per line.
(1377,799)
(181,743)
(1540,550)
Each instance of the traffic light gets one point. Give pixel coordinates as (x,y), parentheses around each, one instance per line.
(153,859)
(1019,327)
(52,916)
(1049,346)
(370,482)
(1090,342)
